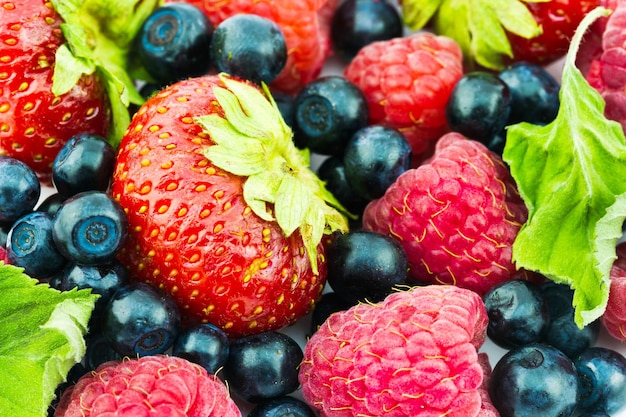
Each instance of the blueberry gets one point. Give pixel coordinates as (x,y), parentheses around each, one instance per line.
(249,46)
(85,162)
(479,106)
(364,265)
(204,344)
(285,103)
(357,23)
(518,313)
(90,227)
(332,172)
(52,204)
(98,351)
(31,246)
(329,304)
(602,377)
(4,234)
(534,380)
(141,320)
(174,43)
(102,279)
(562,332)
(328,111)
(19,189)
(282,407)
(374,157)
(263,366)
(534,93)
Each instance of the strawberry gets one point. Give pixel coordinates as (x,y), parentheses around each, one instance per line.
(223,210)
(58,79)
(305,24)
(456,216)
(558,20)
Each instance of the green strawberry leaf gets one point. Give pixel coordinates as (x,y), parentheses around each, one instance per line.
(42,333)
(99,36)
(478,26)
(253,140)
(570,175)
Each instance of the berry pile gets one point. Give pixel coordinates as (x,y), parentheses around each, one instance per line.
(268,229)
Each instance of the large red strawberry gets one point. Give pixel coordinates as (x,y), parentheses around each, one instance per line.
(54,82)
(305,24)
(558,20)
(223,211)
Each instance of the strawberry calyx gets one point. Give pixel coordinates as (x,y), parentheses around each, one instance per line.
(99,36)
(252,140)
(482,36)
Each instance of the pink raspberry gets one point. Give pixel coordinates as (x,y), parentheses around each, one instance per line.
(602,58)
(151,386)
(407,82)
(614,317)
(413,354)
(456,216)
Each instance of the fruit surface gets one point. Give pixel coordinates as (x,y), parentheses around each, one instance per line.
(163,386)
(250,47)
(614,317)
(203,344)
(192,231)
(602,379)
(407,82)
(456,216)
(534,380)
(19,190)
(34,122)
(413,354)
(558,20)
(305,24)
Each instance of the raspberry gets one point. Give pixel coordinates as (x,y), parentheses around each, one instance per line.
(413,354)
(305,24)
(4,257)
(157,386)
(602,58)
(456,216)
(614,316)
(407,82)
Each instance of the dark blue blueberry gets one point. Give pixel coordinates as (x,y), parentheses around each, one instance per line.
(332,172)
(593,414)
(90,227)
(84,163)
(563,333)
(534,93)
(357,23)
(479,106)
(602,378)
(141,320)
(4,234)
(263,366)
(518,313)
(282,407)
(285,103)
(374,158)
(328,111)
(52,204)
(204,344)
(249,46)
(74,374)
(364,265)
(534,380)
(98,351)
(330,303)
(102,279)
(174,43)
(31,246)
(19,189)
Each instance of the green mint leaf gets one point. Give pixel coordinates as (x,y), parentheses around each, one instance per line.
(570,175)
(42,333)
(478,26)
(99,36)
(253,140)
